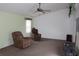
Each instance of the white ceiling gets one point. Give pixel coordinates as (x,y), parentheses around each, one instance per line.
(28,9)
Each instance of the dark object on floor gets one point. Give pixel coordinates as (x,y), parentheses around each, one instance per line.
(20,41)
(69,49)
(69,38)
(35,35)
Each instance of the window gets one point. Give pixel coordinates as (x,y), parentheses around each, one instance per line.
(28,26)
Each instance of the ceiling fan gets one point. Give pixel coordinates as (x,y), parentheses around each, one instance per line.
(39,9)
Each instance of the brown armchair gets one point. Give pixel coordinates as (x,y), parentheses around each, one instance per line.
(35,35)
(20,41)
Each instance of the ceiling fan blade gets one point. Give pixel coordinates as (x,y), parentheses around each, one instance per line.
(43,12)
(47,10)
(35,11)
(38,12)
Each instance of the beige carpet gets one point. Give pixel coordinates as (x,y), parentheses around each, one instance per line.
(38,48)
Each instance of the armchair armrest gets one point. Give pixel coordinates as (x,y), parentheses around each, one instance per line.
(27,38)
(39,35)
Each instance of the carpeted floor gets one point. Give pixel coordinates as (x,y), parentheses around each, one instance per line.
(38,48)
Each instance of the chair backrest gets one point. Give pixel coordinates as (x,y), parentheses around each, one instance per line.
(34,31)
(17,35)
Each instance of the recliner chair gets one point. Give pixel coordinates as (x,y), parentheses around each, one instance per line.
(35,35)
(20,41)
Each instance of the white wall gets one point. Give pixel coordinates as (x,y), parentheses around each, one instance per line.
(77,16)
(55,25)
(9,23)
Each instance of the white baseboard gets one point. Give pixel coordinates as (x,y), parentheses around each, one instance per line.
(52,38)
